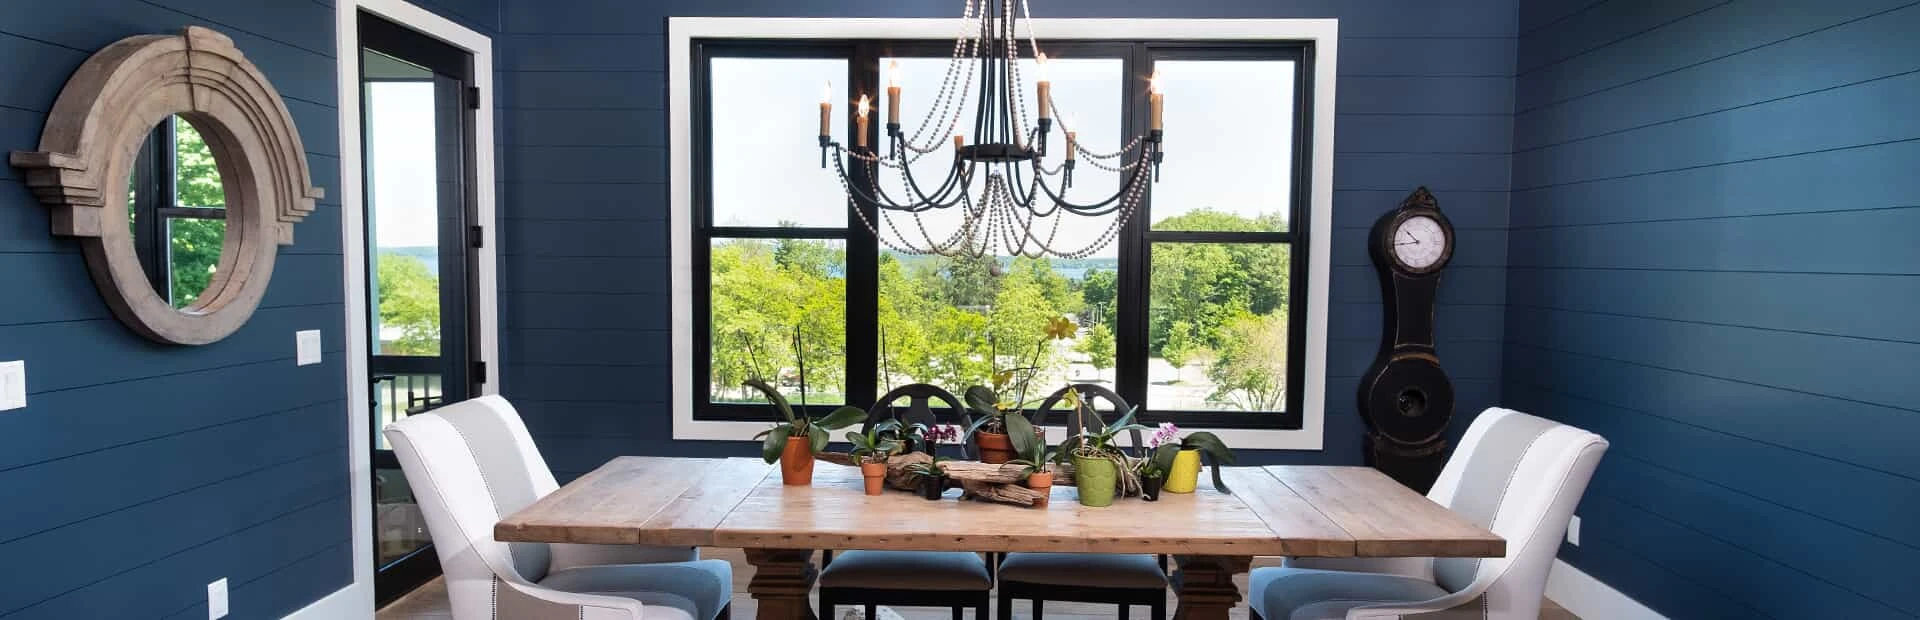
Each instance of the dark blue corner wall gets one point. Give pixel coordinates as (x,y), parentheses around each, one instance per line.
(1712,263)
(138,473)
(1425,95)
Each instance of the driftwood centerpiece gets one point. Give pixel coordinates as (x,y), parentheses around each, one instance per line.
(996,483)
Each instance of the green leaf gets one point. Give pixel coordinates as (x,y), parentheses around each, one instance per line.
(1218,484)
(776,441)
(818,437)
(983,400)
(1210,444)
(858,440)
(1163,457)
(974,428)
(841,418)
(773,396)
(1020,434)
(1121,424)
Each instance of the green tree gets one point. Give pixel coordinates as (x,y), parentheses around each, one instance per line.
(409,301)
(194,244)
(1180,347)
(1098,345)
(1099,294)
(1207,284)
(764,294)
(969,281)
(1250,373)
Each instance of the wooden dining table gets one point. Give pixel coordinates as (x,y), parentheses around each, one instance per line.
(1297,511)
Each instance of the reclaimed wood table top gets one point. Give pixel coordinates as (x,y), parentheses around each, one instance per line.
(1301,511)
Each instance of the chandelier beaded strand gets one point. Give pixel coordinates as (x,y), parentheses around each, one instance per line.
(1011,215)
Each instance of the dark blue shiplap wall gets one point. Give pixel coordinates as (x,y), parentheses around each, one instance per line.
(138,473)
(1425,97)
(1712,263)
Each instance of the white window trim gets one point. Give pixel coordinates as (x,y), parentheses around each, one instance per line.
(1322,33)
(356,599)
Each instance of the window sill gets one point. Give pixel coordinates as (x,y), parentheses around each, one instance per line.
(1309,438)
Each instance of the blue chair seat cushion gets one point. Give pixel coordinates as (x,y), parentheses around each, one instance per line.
(907,570)
(1309,594)
(1096,570)
(701,588)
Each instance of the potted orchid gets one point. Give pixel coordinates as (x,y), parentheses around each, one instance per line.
(871,450)
(989,433)
(1178,458)
(927,438)
(1152,472)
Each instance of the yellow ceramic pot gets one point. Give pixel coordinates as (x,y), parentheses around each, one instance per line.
(1185,472)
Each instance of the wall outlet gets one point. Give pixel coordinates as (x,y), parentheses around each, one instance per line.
(217,599)
(13,385)
(1573,531)
(307,347)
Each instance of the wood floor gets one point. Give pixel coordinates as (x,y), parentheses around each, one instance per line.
(430,601)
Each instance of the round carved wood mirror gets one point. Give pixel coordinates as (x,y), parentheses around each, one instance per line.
(132,102)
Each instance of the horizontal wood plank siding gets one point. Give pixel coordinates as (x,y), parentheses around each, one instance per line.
(1426,94)
(138,473)
(1709,263)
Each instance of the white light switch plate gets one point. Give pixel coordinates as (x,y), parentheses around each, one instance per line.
(13,385)
(307,345)
(217,599)
(1573,531)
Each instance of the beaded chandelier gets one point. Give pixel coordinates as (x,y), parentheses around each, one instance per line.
(1022,203)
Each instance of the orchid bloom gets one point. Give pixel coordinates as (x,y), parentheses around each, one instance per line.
(1166,434)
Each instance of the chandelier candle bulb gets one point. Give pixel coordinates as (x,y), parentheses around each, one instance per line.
(1070,145)
(958,141)
(1044,88)
(1154,101)
(860,124)
(893,92)
(826,111)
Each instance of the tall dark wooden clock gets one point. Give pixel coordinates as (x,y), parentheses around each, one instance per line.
(1405,397)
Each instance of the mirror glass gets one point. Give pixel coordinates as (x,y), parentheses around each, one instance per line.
(176,208)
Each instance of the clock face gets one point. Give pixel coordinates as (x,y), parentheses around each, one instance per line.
(1419,243)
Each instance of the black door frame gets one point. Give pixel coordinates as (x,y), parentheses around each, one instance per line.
(459,364)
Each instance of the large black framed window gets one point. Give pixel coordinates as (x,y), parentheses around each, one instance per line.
(1195,310)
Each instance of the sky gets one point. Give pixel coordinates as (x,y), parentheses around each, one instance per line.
(1228,138)
(400,154)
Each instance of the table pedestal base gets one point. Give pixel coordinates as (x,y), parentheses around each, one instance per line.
(782,579)
(1207,591)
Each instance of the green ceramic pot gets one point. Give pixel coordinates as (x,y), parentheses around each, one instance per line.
(1095,478)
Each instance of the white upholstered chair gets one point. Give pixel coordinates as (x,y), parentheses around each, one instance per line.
(472,463)
(1518,475)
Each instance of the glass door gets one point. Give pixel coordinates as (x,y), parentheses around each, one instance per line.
(417,167)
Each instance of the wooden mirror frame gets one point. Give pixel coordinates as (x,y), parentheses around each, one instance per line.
(98,125)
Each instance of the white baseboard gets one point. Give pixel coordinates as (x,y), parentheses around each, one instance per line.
(354,602)
(1588,598)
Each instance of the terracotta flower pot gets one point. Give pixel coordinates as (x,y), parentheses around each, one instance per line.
(995,448)
(796,462)
(1043,483)
(876,476)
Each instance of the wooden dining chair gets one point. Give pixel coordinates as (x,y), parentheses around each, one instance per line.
(1123,579)
(956,580)
(1515,474)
